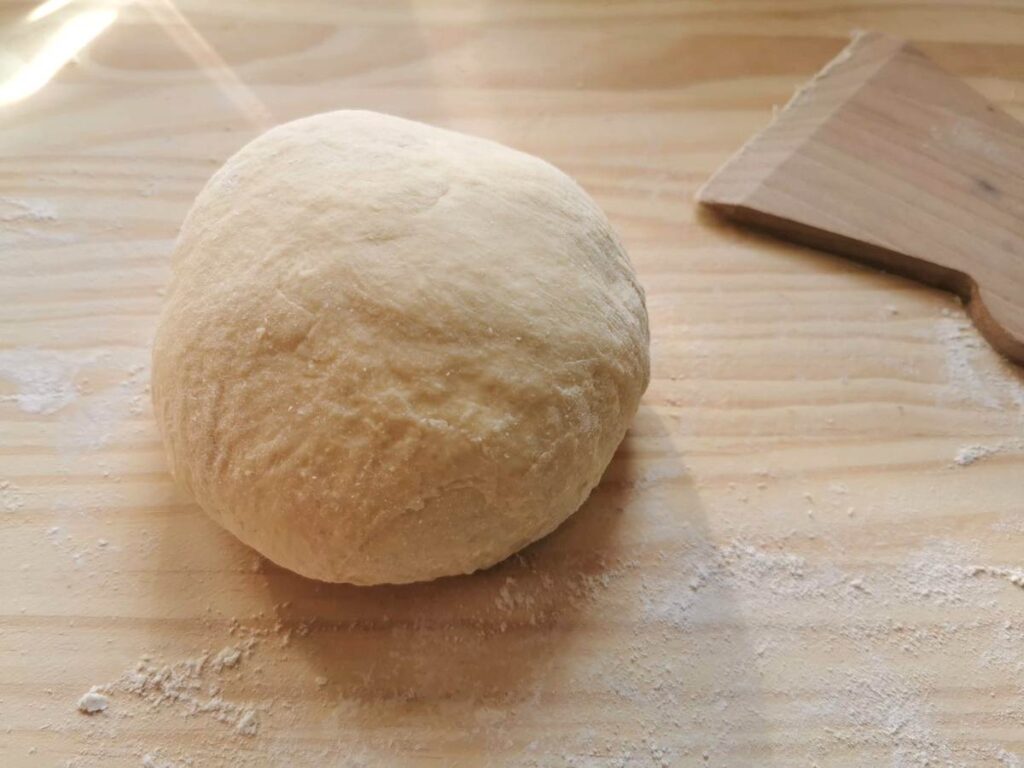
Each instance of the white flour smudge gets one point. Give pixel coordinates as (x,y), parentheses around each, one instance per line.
(974,372)
(11,496)
(936,573)
(95,422)
(44,379)
(969,454)
(46,382)
(191,686)
(1013,575)
(93,702)
(14,209)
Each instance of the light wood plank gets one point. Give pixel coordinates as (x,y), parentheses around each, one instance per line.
(777,570)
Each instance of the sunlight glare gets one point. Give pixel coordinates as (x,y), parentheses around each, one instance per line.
(43,10)
(192,42)
(76,33)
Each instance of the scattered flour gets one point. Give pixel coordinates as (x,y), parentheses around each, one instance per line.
(1013,575)
(100,415)
(761,575)
(975,373)
(972,453)
(155,760)
(691,658)
(81,554)
(227,657)
(45,381)
(938,573)
(248,723)
(688,624)
(969,454)
(1013,523)
(887,710)
(93,702)
(44,378)
(35,210)
(192,686)
(12,498)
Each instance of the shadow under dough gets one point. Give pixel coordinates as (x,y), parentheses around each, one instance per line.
(600,611)
(481,637)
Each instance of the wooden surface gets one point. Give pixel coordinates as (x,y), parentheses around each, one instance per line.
(805,552)
(884,157)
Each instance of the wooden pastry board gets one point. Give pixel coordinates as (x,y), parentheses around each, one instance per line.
(806,552)
(888,159)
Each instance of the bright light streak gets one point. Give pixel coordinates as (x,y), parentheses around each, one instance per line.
(192,42)
(45,9)
(76,33)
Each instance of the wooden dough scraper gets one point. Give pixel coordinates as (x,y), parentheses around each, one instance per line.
(885,158)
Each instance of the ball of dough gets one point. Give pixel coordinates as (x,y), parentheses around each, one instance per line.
(392,352)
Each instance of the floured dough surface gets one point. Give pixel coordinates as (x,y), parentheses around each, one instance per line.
(392,352)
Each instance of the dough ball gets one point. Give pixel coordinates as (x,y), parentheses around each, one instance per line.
(391,352)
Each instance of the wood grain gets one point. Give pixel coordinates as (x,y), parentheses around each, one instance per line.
(887,159)
(779,568)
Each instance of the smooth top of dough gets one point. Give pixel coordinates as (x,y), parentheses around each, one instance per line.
(392,352)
